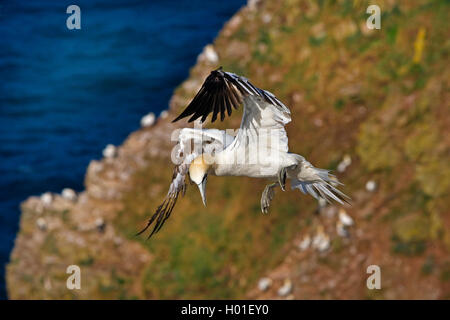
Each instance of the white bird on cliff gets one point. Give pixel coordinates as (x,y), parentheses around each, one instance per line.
(259,150)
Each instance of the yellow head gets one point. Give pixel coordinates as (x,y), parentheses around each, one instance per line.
(198,173)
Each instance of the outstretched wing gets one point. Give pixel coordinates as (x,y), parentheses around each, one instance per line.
(222,91)
(164,210)
(204,140)
(262,125)
(263,119)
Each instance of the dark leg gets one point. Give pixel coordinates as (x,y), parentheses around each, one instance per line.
(267,197)
(282,178)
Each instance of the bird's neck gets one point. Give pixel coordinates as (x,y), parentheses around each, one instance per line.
(211,163)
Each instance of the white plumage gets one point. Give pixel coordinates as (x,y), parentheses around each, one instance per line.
(259,150)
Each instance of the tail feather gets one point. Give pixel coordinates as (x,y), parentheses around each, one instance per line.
(319,183)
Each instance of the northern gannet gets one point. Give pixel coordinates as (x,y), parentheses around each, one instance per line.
(259,150)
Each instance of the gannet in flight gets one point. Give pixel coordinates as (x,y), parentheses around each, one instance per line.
(259,150)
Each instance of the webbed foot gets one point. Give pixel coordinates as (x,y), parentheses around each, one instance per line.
(267,197)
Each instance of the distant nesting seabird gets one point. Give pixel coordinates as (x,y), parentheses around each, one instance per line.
(259,150)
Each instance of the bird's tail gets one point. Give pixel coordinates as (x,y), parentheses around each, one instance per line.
(319,183)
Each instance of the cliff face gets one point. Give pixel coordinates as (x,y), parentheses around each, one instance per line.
(370,104)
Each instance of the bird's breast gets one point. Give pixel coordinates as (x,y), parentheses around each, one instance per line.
(247,170)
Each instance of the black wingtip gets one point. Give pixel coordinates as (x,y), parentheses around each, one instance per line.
(140,232)
(161,215)
(176,119)
(219,94)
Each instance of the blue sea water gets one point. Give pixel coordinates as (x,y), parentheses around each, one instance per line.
(65,94)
